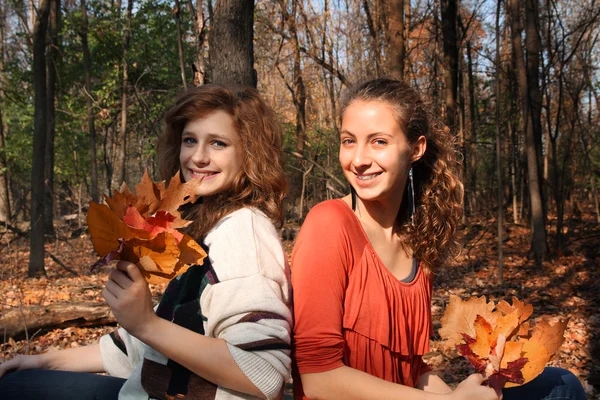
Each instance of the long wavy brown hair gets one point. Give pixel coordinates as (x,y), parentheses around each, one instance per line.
(261,183)
(438,189)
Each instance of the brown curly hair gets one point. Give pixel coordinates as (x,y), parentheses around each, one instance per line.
(438,190)
(261,183)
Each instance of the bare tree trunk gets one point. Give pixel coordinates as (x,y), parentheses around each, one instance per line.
(500,196)
(373,25)
(87,65)
(119,164)
(199,65)
(5,209)
(51,65)
(231,51)
(36,258)
(538,227)
(449,32)
(469,155)
(180,43)
(395,38)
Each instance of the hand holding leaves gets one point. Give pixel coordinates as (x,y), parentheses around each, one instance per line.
(497,341)
(143,228)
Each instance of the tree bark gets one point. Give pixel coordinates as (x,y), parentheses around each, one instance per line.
(538,226)
(469,156)
(500,197)
(395,38)
(51,66)
(87,65)
(231,51)
(36,258)
(449,32)
(5,209)
(16,323)
(373,25)
(121,148)
(199,65)
(180,43)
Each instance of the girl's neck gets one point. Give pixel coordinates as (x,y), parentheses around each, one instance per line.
(379,214)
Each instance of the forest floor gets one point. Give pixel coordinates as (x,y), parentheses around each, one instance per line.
(564,286)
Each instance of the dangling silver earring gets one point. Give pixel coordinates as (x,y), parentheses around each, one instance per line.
(411,191)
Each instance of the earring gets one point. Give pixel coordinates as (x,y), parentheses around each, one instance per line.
(353,196)
(411,192)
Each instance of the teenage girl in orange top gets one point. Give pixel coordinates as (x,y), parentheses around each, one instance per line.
(362,266)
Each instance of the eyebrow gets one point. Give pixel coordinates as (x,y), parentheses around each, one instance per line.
(210,136)
(370,135)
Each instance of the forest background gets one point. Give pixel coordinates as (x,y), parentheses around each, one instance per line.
(84,85)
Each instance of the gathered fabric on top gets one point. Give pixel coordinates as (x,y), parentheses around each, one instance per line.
(349,308)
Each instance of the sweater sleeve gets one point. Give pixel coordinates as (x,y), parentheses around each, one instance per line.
(249,303)
(120,353)
(320,262)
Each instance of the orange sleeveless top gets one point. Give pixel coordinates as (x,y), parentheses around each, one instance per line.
(348,307)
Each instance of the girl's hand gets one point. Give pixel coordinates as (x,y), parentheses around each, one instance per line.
(472,388)
(23,362)
(128,295)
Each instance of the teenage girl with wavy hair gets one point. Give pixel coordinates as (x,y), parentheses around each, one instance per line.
(363,265)
(222,329)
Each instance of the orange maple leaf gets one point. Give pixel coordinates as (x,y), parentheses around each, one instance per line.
(143,228)
(497,341)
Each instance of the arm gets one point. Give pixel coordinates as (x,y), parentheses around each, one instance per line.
(130,299)
(79,359)
(351,384)
(430,382)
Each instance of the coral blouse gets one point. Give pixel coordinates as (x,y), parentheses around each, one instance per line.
(348,307)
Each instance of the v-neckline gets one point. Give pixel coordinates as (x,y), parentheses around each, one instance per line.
(380,262)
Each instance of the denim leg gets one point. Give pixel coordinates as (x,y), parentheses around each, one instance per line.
(38,384)
(551,384)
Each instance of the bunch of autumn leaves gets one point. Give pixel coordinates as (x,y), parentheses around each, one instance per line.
(143,228)
(498,340)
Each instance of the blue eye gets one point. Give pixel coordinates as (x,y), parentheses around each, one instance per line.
(188,140)
(218,143)
(380,142)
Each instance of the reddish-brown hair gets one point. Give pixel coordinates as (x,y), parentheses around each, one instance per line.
(261,183)
(438,189)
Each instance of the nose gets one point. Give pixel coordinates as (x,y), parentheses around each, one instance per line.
(362,157)
(200,156)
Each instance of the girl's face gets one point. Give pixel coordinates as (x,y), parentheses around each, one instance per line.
(374,152)
(211,149)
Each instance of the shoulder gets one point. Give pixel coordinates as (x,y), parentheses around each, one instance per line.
(243,243)
(329,213)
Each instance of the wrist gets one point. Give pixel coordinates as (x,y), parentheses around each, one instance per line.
(143,330)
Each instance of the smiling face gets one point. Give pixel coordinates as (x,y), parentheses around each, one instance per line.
(375,154)
(211,148)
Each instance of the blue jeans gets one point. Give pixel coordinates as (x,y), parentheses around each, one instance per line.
(552,384)
(38,384)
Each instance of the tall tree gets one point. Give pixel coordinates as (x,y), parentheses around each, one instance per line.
(180,43)
(36,258)
(199,65)
(396,48)
(87,65)
(121,148)
(500,188)
(231,51)
(5,209)
(51,66)
(538,226)
(449,32)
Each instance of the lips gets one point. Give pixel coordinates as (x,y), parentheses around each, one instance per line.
(203,174)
